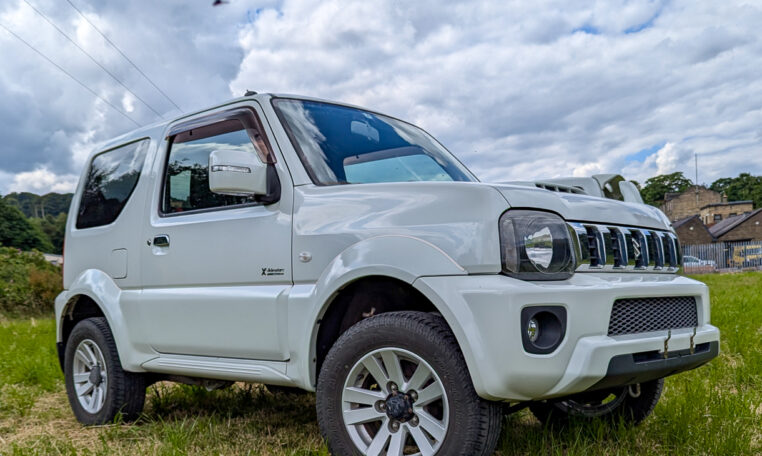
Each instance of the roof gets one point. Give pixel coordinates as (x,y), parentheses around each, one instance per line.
(678,223)
(728,203)
(724,226)
(156,128)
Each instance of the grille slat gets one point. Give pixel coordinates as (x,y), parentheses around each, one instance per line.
(639,315)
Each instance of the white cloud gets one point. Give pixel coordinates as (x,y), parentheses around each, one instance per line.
(128,102)
(516,89)
(48,121)
(42,181)
(522,89)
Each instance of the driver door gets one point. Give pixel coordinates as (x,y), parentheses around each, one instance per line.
(215,267)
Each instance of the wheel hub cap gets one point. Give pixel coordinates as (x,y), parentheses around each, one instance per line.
(399,407)
(95,376)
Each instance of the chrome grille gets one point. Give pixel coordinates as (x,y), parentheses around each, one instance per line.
(639,315)
(605,248)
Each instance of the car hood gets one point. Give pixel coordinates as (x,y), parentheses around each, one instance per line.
(584,208)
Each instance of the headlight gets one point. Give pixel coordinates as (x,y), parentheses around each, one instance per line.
(536,246)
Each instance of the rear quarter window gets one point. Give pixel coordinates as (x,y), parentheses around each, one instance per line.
(111,178)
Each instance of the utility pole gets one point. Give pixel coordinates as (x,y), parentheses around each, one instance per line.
(695,182)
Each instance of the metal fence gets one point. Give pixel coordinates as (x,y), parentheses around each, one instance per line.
(722,256)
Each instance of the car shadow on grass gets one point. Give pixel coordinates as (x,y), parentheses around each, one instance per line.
(168,401)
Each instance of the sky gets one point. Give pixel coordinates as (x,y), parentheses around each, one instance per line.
(517,90)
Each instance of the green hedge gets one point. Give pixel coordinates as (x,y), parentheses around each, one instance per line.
(28,283)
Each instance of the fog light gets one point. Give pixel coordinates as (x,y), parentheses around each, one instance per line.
(543,328)
(533,330)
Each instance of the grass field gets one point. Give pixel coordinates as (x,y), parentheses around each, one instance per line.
(716,409)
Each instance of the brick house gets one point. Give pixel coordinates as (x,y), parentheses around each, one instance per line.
(678,206)
(691,231)
(717,212)
(747,227)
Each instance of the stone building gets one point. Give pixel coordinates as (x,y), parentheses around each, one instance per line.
(678,206)
(692,231)
(717,212)
(747,227)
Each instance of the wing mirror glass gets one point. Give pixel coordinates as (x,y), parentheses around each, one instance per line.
(237,172)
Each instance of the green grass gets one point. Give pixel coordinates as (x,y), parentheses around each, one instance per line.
(716,409)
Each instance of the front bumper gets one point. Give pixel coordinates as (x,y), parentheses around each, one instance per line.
(484,313)
(642,367)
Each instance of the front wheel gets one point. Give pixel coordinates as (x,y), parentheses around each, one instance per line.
(397,384)
(632,404)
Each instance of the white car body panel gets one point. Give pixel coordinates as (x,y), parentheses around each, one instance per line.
(478,308)
(585,208)
(203,308)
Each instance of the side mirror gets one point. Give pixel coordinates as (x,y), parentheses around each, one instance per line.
(237,172)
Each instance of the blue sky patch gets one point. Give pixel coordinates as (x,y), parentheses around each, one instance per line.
(640,27)
(587,28)
(642,154)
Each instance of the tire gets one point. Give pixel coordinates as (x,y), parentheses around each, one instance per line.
(630,404)
(112,391)
(430,361)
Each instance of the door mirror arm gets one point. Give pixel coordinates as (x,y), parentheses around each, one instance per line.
(273,187)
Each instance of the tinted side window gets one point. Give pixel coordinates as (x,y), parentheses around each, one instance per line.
(110,181)
(186,183)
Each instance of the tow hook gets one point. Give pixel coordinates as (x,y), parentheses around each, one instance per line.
(634,393)
(666,343)
(693,345)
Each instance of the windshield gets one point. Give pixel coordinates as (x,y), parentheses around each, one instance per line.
(343,145)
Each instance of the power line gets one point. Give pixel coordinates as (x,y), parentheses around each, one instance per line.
(70,75)
(134,65)
(92,58)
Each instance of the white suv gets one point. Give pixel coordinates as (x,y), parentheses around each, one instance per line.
(300,243)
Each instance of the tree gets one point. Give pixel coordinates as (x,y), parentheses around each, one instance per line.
(33,205)
(16,231)
(656,187)
(741,188)
(54,229)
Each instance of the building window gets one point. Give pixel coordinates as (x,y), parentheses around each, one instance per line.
(732,214)
(717,217)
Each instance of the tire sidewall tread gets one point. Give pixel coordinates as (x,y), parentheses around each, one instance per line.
(125,391)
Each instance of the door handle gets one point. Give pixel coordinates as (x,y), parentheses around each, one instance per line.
(162,240)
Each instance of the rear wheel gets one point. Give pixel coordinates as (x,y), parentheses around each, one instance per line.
(397,384)
(631,404)
(97,387)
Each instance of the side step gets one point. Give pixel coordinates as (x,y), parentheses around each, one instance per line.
(237,370)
